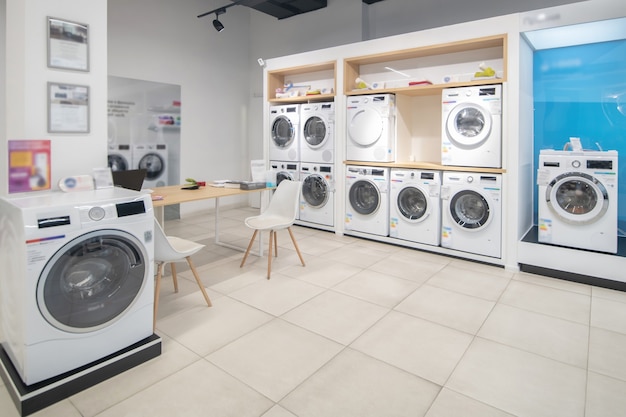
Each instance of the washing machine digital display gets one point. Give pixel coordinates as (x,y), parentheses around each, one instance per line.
(283,132)
(412,203)
(314,190)
(364,197)
(469,209)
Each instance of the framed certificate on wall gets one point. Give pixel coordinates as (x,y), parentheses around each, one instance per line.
(68,108)
(68,45)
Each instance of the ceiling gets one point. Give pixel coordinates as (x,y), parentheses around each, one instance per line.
(282,9)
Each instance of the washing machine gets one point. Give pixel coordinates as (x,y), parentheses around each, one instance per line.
(577,199)
(77,282)
(285,132)
(153,158)
(284,170)
(471,212)
(120,157)
(371,121)
(414,209)
(471,132)
(317,199)
(317,143)
(367,200)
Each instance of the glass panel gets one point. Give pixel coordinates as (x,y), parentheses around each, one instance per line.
(314,191)
(412,203)
(282,132)
(576,197)
(364,197)
(153,164)
(314,131)
(469,209)
(470,122)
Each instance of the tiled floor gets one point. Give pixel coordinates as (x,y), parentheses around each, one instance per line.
(367,329)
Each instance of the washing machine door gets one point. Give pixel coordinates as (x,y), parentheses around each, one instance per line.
(92,280)
(153,164)
(364,197)
(284,175)
(283,132)
(470,210)
(413,204)
(117,162)
(315,190)
(468,125)
(365,127)
(315,132)
(577,198)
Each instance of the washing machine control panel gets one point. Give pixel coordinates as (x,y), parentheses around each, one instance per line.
(576,163)
(96,213)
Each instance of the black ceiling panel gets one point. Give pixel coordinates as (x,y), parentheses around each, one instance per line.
(282,9)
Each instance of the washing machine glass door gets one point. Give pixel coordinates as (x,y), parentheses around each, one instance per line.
(283,175)
(470,210)
(468,125)
(117,162)
(283,132)
(92,280)
(412,203)
(314,132)
(153,164)
(315,191)
(577,198)
(365,128)
(364,197)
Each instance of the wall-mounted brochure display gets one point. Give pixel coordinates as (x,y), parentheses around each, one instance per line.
(68,108)
(29,165)
(68,45)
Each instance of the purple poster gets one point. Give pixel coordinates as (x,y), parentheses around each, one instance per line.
(29,165)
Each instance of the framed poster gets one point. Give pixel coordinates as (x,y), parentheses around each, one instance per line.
(29,165)
(68,108)
(68,45)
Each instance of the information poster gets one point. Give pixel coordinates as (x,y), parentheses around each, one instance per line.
(29,165)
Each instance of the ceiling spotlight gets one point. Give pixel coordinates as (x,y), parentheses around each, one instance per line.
(219,26)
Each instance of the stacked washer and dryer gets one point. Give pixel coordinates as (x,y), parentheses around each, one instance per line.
(153,157)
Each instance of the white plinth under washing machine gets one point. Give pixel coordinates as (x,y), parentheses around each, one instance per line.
(153,158)
(471,212)
(317,200)
(77,281)
(471,132)
(317,143)
(367,200)
(285,132)
(414,209)
(577,199)
(120,157)
(371,125)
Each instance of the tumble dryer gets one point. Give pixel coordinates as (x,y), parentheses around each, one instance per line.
(371,121)
(471,212)
(367,200)
(317,200)
(285,132)
(78,278)
(120,157)
(414,208)
(317,143)
(577,199)
(471,132)
(153,158)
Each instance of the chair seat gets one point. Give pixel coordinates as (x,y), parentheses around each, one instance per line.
(184,247)
(274,222)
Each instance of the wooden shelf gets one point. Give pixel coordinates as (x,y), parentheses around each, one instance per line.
(425,165)
(303,99)
(425,90)
(276,79)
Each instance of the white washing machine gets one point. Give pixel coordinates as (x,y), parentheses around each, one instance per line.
(471,212)
(371,121)
(367,200)
(285,132)
(77,281)
(317,143)
(120,157)
(577,199)
(471,132)
(153,158)
(317,200)
(414,209)
(286,171)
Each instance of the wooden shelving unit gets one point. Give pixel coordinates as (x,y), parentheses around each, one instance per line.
(276,79)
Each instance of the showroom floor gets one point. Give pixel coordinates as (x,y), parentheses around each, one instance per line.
(367,329)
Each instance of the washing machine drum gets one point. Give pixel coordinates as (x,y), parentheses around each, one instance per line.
(412,203)
(92,280)
(314,132)
(468,125)
(577,198)
(117,162)
(153,164)
(283,175)
(470,210)
(315,191)
(364,197)
(283,132)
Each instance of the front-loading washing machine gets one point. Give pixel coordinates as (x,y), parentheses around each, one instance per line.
(153,158)
(284,170)
(367,200)
(471,212)
(317,143)
(471,132)
(577,199)
(77,282)
(414,209)
(120,157)
(371,125)
(317,199)
(285,132)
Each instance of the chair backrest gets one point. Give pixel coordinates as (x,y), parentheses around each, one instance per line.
(163,251)
(286,200)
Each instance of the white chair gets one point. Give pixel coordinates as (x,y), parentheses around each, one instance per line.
(280,214)
(172,249)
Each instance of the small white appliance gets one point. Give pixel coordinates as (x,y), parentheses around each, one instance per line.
(471,212)
(367,200)
(577,199)
(153,157)
(371,125)
(317,143)
(471,132)
(77,281)
(317,199)
(120,157)
(414,209)
(285,132)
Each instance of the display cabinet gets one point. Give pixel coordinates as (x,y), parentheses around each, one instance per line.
(321,76)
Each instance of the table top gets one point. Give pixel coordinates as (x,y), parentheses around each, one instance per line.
(174,194)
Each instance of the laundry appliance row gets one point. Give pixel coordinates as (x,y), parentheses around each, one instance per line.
(153,157)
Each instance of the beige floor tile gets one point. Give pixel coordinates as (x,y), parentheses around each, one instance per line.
(322,272)
(605,396)
(481,268)
(278,411)
(559,284)
(608,314)
(240,278)
(317,246)
(470,282)
(402,266)
(607,353)
(8,409)
(452,404)
(275,358)
(609,294)
(377,288)
(358,254)
(356,385)
(62,408)
(425,349)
